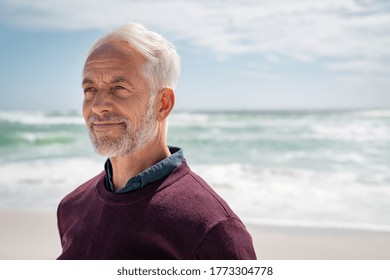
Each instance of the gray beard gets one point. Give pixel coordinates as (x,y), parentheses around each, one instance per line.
(135,137)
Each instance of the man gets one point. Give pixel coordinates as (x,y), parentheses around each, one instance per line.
(147,203)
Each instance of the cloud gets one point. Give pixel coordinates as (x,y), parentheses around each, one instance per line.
(354,32)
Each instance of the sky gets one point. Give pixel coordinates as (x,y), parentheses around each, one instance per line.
(236,54)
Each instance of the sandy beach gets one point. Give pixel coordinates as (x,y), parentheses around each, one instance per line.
(296,243)
(28,235)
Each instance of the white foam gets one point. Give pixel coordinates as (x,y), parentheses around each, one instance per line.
(327,185)
(183,119)
(324,154)
(52,137)
(300,195)
(44,173)
(319,225)
(40,118)
(373,114)
(352,132)
(269,196)
(231,120)
(42,183)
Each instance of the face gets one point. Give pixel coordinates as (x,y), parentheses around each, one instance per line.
(117,107)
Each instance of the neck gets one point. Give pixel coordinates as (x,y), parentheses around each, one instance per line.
(125,168)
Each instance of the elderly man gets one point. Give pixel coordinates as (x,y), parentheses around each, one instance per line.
(147,203)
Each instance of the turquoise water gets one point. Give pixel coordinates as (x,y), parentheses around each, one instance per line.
(315,168)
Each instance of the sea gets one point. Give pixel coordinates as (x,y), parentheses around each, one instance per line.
(320,168)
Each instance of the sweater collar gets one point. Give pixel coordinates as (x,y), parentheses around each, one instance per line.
(154,173)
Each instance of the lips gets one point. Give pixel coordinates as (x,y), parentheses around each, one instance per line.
(106,125)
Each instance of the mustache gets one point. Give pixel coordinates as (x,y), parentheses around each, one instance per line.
(106,117)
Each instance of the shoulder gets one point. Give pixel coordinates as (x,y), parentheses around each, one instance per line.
(228,240)
(192,200)
(68,210)
(81,190)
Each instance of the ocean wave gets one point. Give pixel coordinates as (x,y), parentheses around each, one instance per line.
(325,154)
(373,113)
(356,131)
(41,118)
(319,225)
(337,127)
(41,184)
(236,120)
(38,138)
(303,167)
(45,173)
(258,194)
(300,195)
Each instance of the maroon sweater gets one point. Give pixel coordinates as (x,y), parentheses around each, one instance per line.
(178,217)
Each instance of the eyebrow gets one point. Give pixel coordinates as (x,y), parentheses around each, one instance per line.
(119,80)
(113,81)
(87,81)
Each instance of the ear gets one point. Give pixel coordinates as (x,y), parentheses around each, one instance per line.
(166,101)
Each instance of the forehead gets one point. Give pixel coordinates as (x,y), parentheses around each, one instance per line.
(113,57)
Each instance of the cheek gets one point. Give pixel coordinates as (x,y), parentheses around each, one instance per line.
(86,110)
(132,109)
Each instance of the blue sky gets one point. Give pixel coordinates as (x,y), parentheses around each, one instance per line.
(243,54)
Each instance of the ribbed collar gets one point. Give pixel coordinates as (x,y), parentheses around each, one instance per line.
(154,173)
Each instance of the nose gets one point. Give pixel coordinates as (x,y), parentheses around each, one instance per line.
(102,102)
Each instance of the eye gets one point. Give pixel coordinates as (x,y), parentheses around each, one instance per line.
(89,93)
(118,88)
(90,90)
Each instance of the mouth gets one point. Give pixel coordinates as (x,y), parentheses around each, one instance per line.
(106,125)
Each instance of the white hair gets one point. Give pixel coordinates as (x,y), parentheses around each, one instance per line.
(162,67)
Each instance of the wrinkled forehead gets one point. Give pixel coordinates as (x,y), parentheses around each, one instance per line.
(114,51)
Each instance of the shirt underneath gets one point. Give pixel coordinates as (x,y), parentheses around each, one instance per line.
(154,173)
